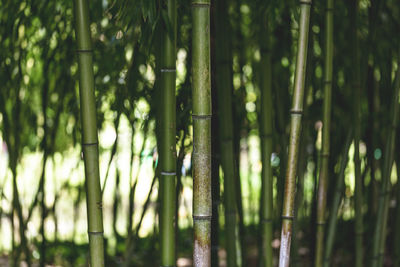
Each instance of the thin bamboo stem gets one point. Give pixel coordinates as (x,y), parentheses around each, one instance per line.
(324,157)
(358,194)
(338,192)
(266,128)
(89,136)
(224,93)
(295,129)
(383,206)
(168,143)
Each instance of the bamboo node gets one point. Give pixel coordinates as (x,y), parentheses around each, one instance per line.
(305,2)
(202,217)
(84,50)
(168,173)
(90,144)
(168,70)
(296,111)
(201,4)
(95,233)
(201,117)
(284,217)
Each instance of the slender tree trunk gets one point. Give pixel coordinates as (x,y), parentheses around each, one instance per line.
(326,128)
(383,207)
(295,129)
(89,136)
(266,128)
(338,192)
(168,143)
(224,92)
(202,207)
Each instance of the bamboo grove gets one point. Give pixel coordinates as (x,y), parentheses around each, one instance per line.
(200,133)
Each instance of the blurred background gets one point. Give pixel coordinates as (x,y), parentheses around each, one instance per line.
(42,188)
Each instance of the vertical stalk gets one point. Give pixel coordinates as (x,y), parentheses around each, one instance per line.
(338,192)
(266,147)
(215,148)
(383,206)
(201,115)
(323,175)
(224,91)
(295,129)
(358,197)
(168,145)
(89,136)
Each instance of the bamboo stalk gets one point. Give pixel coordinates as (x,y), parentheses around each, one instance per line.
(215,151)
(358,195)
(324,157)
(89,136)
(168,143)
(338,192)
(224,92)
(266,126)
(201,115)
(383,206)
(295,129)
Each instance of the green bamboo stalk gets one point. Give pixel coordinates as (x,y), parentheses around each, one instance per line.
(358,195)
(266,204)
(330,237)
(89,136)
(168,143)
(295,259)
(295,129)
(224,92)
(215,151)
(202,208)
(324,157)
(383,206)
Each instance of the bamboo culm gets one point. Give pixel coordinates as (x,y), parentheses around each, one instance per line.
(224,98)
(201,115)
(383,206)
(266,149)
(358,195)
(324,157)
(168,143)
(295,129)
(330,236)
(89,137)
